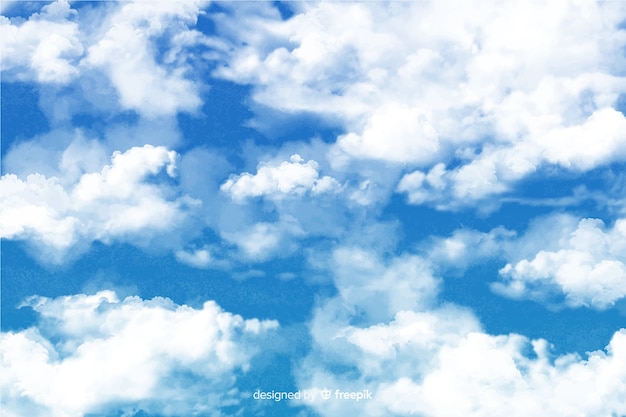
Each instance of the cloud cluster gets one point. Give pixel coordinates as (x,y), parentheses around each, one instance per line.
(447,106)
(61,44)
(560,260)
(98,354)
(584,262)
(467,95)
(118,201)
(599,140)
(415,357)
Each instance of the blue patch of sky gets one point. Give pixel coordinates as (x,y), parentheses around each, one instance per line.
(217,8)
(23,9)
(568,329)
(221,122)
(21,278)
(422,221)
(284,8)
(83,5)
(205,23)
(229,120)
(135,272)
(586,195)
(99,124)
(556,181)
(548,191)
(620,104)
(135,412)
(278,126)
(571,330)
(272,371)
(21,116)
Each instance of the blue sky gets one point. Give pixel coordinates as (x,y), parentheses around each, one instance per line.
(420,201)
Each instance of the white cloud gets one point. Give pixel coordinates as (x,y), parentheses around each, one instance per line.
(489,375)
(93,353)
(598,140)
(422,187)
(370,289)
(261,240)
(466,94)
(584,262)
(422,333)
(380,288)
(465,247)
(295,177)
(48,45)
(117,202)
(559,260)
(393,133)
(437,361)
(198,258)
(125,53)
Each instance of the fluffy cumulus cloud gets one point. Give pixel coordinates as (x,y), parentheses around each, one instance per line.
(116,202)
(584,262)
(434,359)
(393,133)
(99,354)
(490,375)
(277,181)
(594,142)
(47,47)
(466,94)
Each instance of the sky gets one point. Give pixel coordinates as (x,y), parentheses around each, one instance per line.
(313,209)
